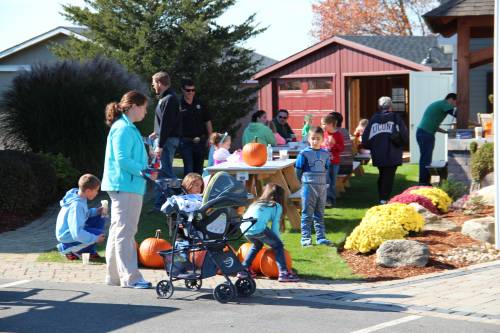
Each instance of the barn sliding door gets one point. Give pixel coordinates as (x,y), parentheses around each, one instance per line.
(425,88)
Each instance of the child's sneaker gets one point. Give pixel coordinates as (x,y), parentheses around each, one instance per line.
(247,273)
(95,257)
(324,241)
(305,242)
(288,277)
(72,256)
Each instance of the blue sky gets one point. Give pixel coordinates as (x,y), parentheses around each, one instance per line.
(289,22)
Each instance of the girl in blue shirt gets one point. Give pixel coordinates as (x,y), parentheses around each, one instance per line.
(268,208)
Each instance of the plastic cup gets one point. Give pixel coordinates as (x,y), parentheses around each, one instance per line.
(86,258)
(283,154)
(105,207)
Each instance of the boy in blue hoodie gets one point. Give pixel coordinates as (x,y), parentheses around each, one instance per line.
(79,228)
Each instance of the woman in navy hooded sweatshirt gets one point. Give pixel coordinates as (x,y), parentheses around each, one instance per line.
(386,155)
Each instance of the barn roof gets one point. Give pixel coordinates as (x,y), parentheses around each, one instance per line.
(387,47)
(413,48)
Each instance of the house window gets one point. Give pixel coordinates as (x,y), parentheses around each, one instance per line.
(290,84)
(399,100)
(319,84)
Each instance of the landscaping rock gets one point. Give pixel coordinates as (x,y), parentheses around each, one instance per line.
(442,225)
(488,180)
(400,253)
(428,216)
(488,194)
(482,229)
(433,221)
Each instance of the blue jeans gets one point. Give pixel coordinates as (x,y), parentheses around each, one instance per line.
(166,170)
(333,171)
(270,238)
(193,155)
(94,225)
(313,209)
(426,144)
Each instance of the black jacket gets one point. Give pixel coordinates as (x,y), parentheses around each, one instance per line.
(168,121)
(376,137)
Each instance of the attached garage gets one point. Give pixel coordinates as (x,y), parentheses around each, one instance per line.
(346,74)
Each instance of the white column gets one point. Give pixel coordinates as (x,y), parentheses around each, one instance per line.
(496,126)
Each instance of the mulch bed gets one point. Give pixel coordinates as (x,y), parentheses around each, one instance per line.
(439,243)
(9,222)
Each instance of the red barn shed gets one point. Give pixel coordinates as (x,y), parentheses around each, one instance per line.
(346,74)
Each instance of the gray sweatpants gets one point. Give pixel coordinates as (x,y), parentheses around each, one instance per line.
(313,209)
(121,254)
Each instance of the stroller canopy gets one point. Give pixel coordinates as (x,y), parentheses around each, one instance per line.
(224,190)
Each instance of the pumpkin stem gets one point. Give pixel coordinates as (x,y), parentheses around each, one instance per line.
(256,139)
(158,233)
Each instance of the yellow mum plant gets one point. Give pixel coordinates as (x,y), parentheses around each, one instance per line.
(381,223)
(439,198)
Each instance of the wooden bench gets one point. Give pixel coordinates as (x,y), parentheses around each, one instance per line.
(342,182)
(295,196)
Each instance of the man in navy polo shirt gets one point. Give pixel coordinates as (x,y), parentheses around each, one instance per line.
(196,129)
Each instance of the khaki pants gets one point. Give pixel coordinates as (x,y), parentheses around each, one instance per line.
(121,254)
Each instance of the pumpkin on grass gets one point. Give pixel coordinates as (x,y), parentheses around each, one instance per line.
(243,252)
(268,265)
(148,251)
(254,153)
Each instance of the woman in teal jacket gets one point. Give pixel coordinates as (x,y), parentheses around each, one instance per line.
(125,158)
(257,128)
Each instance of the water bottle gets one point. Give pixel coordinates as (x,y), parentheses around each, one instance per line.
(269,152)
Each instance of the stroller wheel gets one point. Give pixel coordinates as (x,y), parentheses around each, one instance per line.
(193,284)
(164,289)
(245,286)
(224,292)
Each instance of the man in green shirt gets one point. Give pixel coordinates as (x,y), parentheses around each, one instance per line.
(426,131)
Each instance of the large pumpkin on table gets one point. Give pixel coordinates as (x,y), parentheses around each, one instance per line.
(148,251)
(254,153)
(268,265)
(243,251)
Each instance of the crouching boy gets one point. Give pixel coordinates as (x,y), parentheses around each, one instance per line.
(79,228)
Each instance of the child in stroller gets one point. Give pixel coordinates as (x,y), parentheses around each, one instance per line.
(207,232)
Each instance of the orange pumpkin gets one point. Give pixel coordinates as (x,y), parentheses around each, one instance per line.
(198,257)
(148,251)
(243,251)
(254,153)
(268,265)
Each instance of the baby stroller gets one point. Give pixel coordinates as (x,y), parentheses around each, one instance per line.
(207,232)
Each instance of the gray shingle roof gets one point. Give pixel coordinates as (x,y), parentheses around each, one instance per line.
(413,48)
(463,8)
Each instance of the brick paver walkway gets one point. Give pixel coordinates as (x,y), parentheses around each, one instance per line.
(471,293)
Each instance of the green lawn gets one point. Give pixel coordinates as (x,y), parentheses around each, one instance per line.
(318,262)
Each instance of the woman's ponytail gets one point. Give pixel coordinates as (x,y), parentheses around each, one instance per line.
(112,113)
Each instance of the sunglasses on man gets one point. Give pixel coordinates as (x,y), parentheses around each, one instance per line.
(281,117)
(189,90)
